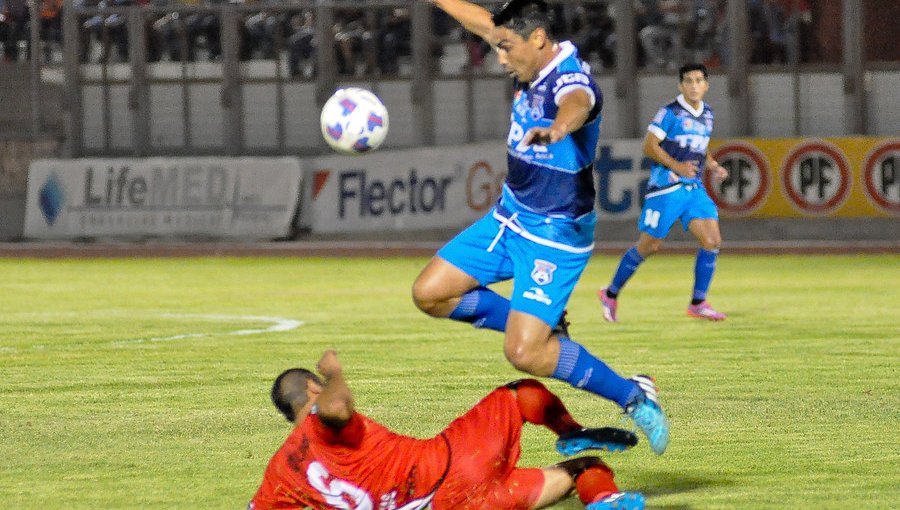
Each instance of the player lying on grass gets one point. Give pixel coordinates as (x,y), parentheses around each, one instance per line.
(337,458)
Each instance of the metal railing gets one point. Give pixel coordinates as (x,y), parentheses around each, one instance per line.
(150,96)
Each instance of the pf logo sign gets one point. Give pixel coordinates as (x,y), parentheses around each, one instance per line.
(881,176)
(747,185)
(816,177)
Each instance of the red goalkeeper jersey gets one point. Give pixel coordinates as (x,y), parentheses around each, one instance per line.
(365,466)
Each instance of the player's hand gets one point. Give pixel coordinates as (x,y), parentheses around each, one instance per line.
(719,171)
(686,169)
(544,136)
(329,365)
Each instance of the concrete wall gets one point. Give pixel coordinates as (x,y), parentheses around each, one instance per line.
(15,157)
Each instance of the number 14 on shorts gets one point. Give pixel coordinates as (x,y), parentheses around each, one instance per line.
(651,218)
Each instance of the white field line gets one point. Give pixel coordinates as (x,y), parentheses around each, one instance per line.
(275,325)
(278,324)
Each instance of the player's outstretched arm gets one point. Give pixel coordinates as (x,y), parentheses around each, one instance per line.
(472,17)
(335,403)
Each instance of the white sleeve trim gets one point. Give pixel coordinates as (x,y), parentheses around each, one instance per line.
(570,88)
(656,130)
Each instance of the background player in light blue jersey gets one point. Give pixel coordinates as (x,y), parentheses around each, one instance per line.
(677,141)
(540,233)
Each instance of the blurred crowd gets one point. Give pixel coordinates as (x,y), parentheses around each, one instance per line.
(375,41)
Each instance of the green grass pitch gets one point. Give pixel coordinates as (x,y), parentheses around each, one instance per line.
(124,385)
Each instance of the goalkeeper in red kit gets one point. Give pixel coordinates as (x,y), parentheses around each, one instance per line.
(337,458)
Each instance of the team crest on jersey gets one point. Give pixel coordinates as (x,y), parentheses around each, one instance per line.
(688,124)
(537,107)
(521,107)
(542,274)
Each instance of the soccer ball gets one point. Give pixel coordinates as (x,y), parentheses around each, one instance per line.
(354,121)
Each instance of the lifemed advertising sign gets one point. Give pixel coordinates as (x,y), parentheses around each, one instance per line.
(249,198)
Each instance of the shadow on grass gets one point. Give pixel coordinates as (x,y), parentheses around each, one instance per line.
(661,483)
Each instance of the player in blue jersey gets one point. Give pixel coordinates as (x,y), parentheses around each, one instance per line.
(540,233)
(676,142)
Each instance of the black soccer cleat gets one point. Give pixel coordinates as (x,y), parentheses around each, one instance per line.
(608,439)
(562,327)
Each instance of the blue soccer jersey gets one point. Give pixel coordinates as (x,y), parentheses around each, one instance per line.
(684,133)
(552,180)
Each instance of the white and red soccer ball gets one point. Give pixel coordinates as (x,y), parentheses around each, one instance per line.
(354,121)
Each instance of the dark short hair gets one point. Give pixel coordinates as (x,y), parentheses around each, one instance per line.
(289,390)
(692,67)
(524,16)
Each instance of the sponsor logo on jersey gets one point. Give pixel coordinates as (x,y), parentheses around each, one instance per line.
(542,274)
(816,177)
(881,176)
(569,79)
(748,182)
(537,294)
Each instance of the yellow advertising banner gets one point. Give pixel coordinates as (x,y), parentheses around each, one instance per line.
(807,177)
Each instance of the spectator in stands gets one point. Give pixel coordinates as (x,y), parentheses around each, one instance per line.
(204,26)
(798,30)
(181,34)
(354,41)
(768,21)
(302,44)
(51,26)
(395,38)
(15,17)
(593,34)
(168,32)
(109,30)
(4,29)
(662,37)
(706,19)
(476,49)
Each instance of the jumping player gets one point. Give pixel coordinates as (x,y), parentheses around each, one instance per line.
(337,458)
(541,232)
(677,141)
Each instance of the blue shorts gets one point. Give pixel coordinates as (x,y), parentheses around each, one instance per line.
(664,207)
(543,276)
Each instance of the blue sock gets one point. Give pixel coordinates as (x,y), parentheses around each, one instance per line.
(703,272)
(483,308)
(581,369)
(630,262)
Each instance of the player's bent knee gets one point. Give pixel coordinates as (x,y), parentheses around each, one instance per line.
(536,403)
(711,243)
(524,358)
(425,299)
(648,248)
